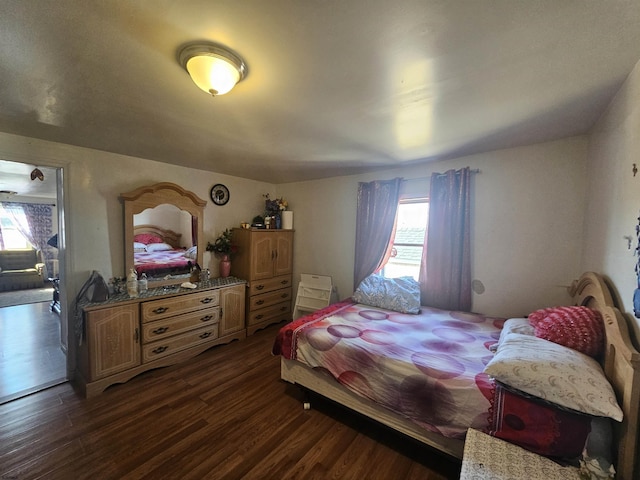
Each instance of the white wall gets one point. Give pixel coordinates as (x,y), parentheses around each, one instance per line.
(93,181)
(613,200)
(527,233)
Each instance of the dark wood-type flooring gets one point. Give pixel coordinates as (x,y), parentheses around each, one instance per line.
(222,415)
(30,353)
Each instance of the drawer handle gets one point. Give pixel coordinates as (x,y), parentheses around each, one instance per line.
(259,287)
(282,309)
(160,330)
(258,317)
(205,335)
(206,318)
(284,295)
(284,282)
(259,302)
(160,310)
(206,300)
(159,349)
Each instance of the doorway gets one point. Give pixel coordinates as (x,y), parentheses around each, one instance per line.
(32,332)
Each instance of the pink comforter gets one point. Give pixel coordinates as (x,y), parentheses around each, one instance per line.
(428,366)
(160,262)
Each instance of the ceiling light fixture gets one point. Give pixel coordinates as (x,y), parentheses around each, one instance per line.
(212,67)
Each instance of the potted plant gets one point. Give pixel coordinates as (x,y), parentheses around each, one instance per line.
(222,248)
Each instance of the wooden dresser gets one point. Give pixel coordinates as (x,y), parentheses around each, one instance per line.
(124,336)
(265,259)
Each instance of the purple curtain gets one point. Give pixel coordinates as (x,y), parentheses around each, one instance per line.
(375,222)
(445,271)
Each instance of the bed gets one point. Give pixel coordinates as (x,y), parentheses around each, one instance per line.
(157,252)
(448,353)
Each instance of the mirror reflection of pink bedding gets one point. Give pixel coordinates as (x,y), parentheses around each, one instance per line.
(165,261)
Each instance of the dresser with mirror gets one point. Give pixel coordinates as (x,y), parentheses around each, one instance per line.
(168,323)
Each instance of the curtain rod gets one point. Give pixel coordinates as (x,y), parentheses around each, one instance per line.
(473,170)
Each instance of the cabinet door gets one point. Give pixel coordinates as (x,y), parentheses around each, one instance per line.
(283,264)
(232,302)
(113,340)
(262,255)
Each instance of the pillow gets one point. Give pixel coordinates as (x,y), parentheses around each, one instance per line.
(400,294)
(513,325)
(147,238)
(554,373)
(540,427)
(191,253)
(159,247)
(139,247)
(580,328)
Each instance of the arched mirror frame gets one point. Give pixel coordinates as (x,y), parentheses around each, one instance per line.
(151,196)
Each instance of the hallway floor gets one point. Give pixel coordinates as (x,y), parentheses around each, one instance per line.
(30,355)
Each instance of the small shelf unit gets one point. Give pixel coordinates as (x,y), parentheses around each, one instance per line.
(314,293)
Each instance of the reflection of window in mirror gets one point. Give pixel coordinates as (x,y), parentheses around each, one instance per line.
(168,217)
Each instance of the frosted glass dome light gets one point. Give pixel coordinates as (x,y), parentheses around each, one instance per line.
(213,68)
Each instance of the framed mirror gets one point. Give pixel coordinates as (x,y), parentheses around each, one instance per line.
(163,232)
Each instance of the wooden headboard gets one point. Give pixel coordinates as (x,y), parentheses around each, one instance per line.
(168,236)
(621,365)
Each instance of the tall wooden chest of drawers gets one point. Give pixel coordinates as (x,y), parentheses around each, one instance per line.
(265,260)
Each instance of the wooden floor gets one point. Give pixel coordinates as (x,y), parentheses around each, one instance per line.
(223,415)
(30,353)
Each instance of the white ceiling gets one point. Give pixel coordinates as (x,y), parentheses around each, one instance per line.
(334,86)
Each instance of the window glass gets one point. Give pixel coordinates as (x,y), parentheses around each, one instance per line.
(11,236)
(413,217)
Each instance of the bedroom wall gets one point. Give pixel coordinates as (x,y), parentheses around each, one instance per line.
(526,233)
(93,181)
(613,201)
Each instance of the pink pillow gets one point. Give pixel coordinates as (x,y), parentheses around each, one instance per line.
(147,238)
(579,328)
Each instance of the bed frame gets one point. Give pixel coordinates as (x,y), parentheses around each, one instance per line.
(621,366)
(169,236)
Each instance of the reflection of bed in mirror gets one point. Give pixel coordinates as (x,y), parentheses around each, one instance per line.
(158,252)
(163,207)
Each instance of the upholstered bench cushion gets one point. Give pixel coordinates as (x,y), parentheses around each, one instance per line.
(489,458)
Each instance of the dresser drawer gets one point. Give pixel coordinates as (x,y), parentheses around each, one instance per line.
(267,299)
(162,348)
(282,310)
(152,331)
(275,283)
(169,307)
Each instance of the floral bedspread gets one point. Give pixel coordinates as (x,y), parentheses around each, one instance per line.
(427,367)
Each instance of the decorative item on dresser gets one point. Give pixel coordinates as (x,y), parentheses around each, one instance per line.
(125,336)
(265,260)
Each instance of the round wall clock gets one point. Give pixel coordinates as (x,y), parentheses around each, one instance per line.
(219,194)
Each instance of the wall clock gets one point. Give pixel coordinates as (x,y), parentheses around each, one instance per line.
(219,194)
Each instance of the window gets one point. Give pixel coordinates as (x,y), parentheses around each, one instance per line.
(12,239)
(413,217)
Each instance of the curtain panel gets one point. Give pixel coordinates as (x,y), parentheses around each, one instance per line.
(35,222)
(377,207)
(445,271)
